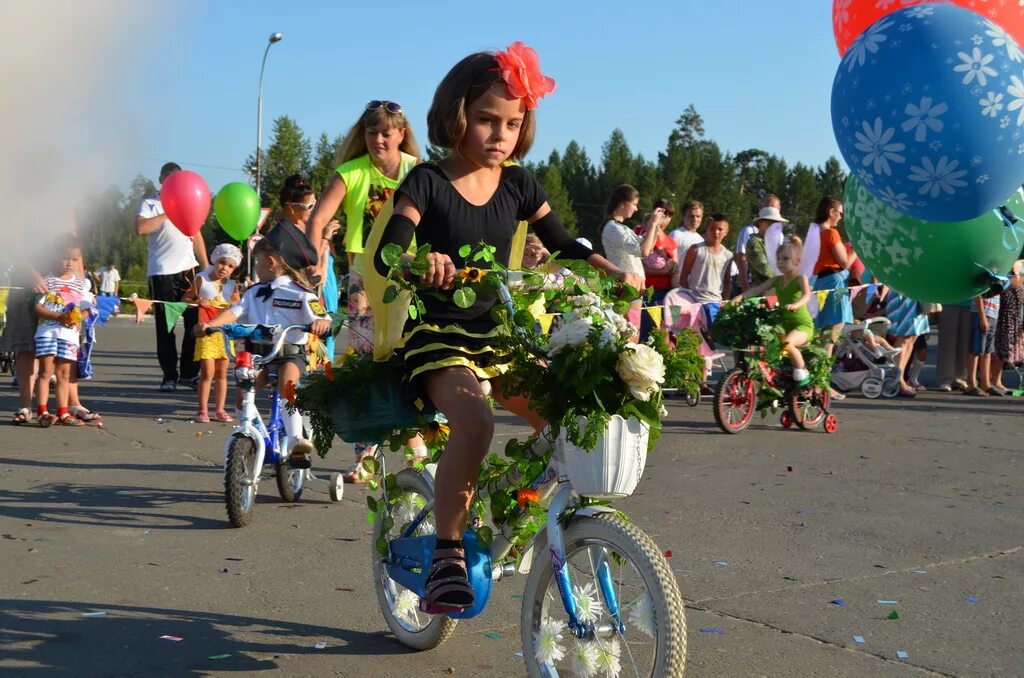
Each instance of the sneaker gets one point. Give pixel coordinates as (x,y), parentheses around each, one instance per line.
(300,453)
(192,383)
(168,385)
(945,388)
(801,376)
(959,385)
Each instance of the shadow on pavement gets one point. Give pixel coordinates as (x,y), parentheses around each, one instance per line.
(172,468)
(43,637)
(108,506)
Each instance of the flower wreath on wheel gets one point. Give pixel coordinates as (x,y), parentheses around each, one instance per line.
(585,369)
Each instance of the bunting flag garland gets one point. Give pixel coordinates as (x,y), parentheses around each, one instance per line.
(656,315)
(823,297)
(105,307)
(173,311)
(545,320)
(142,306)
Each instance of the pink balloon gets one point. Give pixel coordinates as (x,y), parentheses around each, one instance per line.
(186,200)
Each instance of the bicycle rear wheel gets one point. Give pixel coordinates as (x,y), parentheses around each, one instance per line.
(400,606)
(611,565)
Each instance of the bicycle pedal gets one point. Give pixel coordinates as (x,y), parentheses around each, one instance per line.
(433,609)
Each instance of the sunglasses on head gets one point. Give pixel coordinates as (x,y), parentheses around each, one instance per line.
(304,206)
(389,106)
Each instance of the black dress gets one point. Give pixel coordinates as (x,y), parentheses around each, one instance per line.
(446,335)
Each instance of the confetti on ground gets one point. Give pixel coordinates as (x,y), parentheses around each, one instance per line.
(238,560)
(218,656)
(882,566)
(859,639)
(790,578)
(803,511)
(93,614)
(176,639)
(971,599)
(901,654)
(920,571)
(320,645)
(517,595)
(517,654)
(888,602)
(668,554)
(789,469)
(894,615)
(492,635)
(712,630)
(721,563)
(840,602)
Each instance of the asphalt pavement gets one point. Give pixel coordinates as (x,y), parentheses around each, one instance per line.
(792,549)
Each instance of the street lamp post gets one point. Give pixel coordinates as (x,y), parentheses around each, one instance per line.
(276,37)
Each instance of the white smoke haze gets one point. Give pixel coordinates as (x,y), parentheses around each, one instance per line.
(67,70)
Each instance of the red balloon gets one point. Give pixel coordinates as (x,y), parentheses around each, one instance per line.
(186,200)
(850,18)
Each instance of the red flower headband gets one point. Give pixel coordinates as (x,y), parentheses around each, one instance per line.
(520,68)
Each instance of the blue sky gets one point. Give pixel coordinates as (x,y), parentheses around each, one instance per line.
(760,73)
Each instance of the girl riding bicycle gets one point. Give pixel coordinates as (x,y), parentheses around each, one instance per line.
(285,299)
(793,292)
(483,113)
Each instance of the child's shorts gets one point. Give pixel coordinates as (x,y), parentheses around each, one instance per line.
(290,353)
(982,343)
(61,348)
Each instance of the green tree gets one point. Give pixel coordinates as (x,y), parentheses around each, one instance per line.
(580,180)
(550,177)
(801,195)
(324,162)
(831,178)
(289,153)
(617,164)
(434,153)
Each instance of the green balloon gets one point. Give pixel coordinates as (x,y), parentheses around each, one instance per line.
(237,208)
(931,261)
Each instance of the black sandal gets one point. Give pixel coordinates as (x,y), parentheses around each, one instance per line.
(447,588)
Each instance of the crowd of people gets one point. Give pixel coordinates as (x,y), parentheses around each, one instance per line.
(483,112)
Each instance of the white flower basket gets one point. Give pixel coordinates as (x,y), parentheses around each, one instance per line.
(611,470)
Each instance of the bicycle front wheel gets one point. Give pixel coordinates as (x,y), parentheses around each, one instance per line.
(399,605)
(624,587)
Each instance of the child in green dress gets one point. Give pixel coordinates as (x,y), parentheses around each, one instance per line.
(793,292)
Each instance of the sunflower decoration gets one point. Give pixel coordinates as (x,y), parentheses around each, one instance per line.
(471,275)
(435,434)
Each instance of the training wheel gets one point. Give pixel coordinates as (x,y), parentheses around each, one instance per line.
(786,420)
(337,490)
(831,423)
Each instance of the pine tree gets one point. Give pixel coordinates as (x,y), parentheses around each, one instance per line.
(289,153)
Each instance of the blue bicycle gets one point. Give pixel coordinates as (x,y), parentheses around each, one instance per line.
(600,597)
(254,444)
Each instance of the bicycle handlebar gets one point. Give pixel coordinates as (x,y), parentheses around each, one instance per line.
(259,333)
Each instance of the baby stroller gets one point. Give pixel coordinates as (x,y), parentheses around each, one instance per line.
(679,312)
(859,366)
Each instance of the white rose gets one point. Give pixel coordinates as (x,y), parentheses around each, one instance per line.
(642,368)
(573,333)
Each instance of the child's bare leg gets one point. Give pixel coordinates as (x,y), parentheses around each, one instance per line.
(46,367)
(63,371)
(288,373)
(794,340)
(517,405)
(456,392)
(206,369)
(220,377)
(24,367)
(972,371)
(984,365)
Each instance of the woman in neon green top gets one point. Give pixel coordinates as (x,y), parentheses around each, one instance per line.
(377,153)
(793,292)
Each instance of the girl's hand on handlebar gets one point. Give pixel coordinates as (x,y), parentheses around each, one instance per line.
(441,272)
(320,327)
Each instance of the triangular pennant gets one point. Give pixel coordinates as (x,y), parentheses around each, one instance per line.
(822,298)
(545,320)
(656,315)
(142,307)
(872,288)
(105,307)
(772,300)
(173,311)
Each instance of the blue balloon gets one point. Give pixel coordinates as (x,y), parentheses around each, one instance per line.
(928,110)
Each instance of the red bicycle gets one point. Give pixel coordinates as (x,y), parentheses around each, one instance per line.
(738,395)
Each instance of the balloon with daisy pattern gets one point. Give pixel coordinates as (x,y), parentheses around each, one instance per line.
(928,111)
